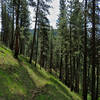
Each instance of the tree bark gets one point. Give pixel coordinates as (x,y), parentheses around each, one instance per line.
(34,35)
(51,56)
(97,85)
(74,74)
(71,68)
(17,30)
(37,42)
(93,95)
(85,57)
(2,20)
(66,70)
(61,64)
(12,37)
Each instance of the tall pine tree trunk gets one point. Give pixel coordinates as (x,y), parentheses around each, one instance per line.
(74,73)
(71,68)
(78,73)
(17,30)
(2,20)
(85,57)
(61,65)
(93,95)
(66,70)
(97,85)
(12,37)
(37,43)
(51,56)
(34,35)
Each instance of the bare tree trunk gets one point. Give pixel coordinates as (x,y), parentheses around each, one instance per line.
(93,95)
(78,73)
(34,35)
(12,37)
(17,30)
(66,70)
(97,86)
(61,65)
(2,20)
(71,68)
(51,56)
(74,74)
(36,60)
(85,57)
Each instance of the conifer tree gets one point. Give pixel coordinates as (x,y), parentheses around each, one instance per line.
(93,48)
(85,56)
(17,31)
(62,28)
(41,8)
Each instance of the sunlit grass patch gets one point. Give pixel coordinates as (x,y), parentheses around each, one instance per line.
(18,79)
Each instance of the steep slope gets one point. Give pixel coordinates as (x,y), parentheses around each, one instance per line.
(21,81)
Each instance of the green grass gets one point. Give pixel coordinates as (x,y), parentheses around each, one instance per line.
(18,79)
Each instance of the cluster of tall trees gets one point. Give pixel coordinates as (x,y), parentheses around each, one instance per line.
(78,29)
(72,50)
(15,24)
(79,32)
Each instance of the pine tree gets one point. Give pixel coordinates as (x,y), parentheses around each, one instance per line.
(41,7)
(13,14)
(17,32)
(6,23)
(85,56)
(44,30)
(62,27)
(34,35)
(93,48)
(51,50)
(24,26)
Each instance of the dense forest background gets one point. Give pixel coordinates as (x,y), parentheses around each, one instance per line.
(72,50)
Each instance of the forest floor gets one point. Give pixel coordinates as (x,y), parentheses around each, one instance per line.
(21,81)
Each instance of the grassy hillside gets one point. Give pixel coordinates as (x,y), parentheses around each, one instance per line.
(21,81)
